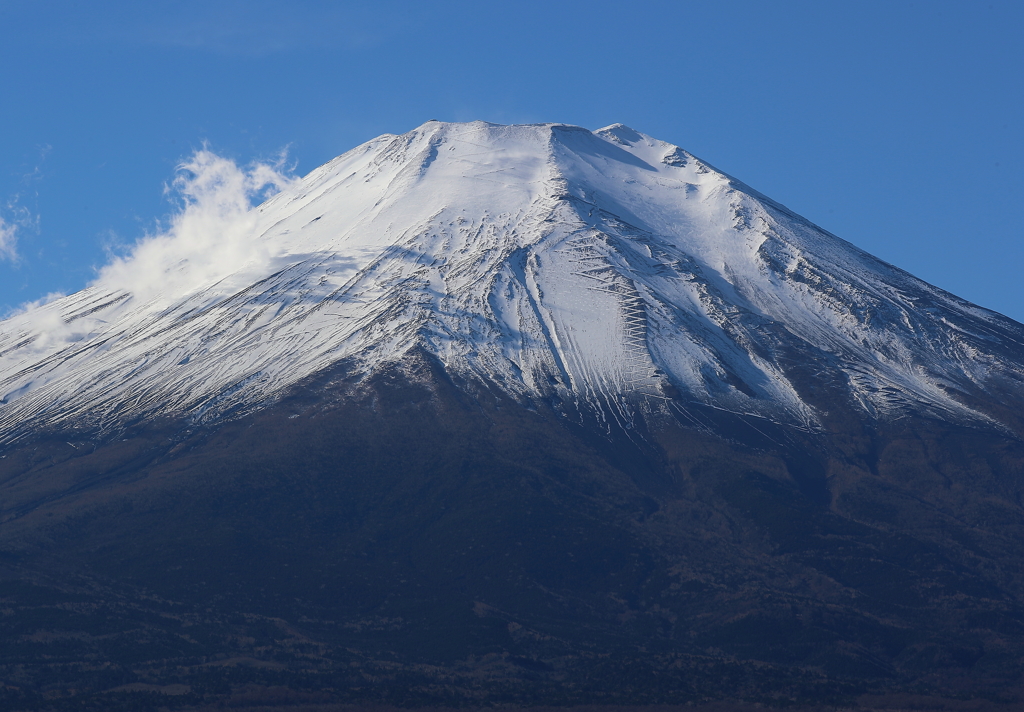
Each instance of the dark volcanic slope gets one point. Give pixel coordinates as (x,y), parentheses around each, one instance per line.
(415,540)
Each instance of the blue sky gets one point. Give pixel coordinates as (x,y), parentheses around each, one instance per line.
(895,125)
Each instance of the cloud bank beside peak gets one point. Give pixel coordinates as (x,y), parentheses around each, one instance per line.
(211,236)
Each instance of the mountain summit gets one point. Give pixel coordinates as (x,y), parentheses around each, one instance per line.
(524,415)
(606,269)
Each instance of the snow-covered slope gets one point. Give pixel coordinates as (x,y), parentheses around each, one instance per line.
(604,268)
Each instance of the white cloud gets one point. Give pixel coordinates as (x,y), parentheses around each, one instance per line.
(8,241)
(212,235)
(19,218)
(211,240)
(237,28)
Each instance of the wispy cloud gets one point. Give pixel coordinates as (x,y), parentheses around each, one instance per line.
(255,28)
(8,241)
(18,217)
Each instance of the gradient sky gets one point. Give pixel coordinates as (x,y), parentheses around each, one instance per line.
(895,125)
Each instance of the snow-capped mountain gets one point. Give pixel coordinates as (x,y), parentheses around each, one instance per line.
(602,268)
(354,437)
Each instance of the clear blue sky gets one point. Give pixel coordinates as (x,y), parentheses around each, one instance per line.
(896,125)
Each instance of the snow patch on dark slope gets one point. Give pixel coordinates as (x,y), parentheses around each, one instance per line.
(606,269)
